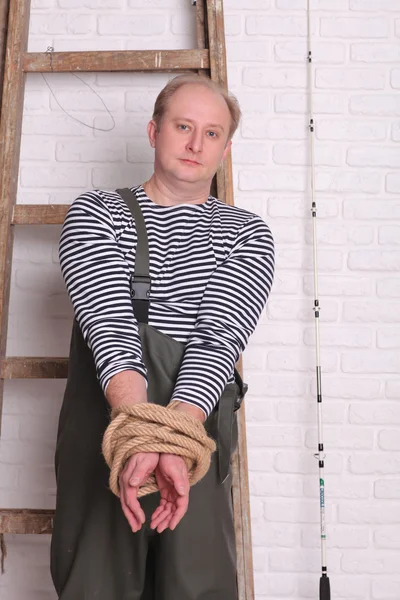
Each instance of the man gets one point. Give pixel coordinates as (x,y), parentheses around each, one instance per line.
(211,270)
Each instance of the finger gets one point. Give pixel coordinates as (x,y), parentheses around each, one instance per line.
(130,517)
(164,524)
(182,505)
(165,514)
(132,502)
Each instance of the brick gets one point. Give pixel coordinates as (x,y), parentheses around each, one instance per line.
(287,511)
(139,152)
(389,439)
(286,283)
(33,428)
(260,460)
(339,487)
(298,154)
(12,452)
(396,132)
(354,337)
(299,561)
(288,234)
(248,51)
(87,100)
(342,438)
(63,23)
(140,101)
(374,260)
(53,125)
(31,150)
(295,412)
(8,476)
(276,25)
(274,586)
(388,338)
(387,537)
(369,514)
(340,235)
(279,535)
(384,412)
(374,562)
(354,588)
(350,79)
(277,386)
(260,558)
(389,234)
(369,361)
(58,177)
(393,183)
(270,436)
(250,153)
(35,100)
(41,4)
(96,4)
(287,461)
(386,589)
(345,181)
(328,260)
(330,129)
(374,53)
(270,485)
(270,77)
(350,27)
(373,156)
(393,389)
(131,126)
(182,24)
(339,536)
(296,207)
(338,286)
(233,26)
(299,310)
(271,180)
(314,5)
(323,52)
(141,81)
(296,103)
(395,78)
(348,388)
(251,102)
(375,105)
(371,209)
(374,463)
(373,5)
(41,479)
(90,151)
(132,25)
(258,410)
(261,128)
(387,488)
(275,335)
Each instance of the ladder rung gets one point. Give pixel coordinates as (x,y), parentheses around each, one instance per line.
(39,214)
(119,60)
(20,367)
(26,520)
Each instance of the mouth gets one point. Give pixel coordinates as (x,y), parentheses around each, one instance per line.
(187,161)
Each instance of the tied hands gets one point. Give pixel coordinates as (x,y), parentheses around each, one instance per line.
(173,482)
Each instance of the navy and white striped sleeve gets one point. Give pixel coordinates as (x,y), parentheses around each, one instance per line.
(97,277)
(231,306)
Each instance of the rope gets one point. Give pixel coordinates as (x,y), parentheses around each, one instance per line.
(149,427)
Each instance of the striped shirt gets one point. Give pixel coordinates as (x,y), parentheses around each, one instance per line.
(211,269)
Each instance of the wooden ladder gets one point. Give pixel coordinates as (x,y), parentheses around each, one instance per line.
(209,58)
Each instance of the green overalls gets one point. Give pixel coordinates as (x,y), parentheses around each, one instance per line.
(94,553)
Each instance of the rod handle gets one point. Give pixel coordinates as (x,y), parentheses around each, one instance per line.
(324,588)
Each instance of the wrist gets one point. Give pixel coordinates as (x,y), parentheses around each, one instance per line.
(192,410)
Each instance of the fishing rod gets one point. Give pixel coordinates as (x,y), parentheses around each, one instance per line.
(324,585)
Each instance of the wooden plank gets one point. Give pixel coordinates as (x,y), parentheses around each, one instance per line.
(240,490)
(39,214)
(26,521)
(119,60)
(4,8)
(26,367)
(200,24)
(10,141)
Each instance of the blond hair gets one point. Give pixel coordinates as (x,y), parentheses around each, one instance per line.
(163,98)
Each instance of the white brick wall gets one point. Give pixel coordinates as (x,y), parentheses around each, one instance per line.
(357,109)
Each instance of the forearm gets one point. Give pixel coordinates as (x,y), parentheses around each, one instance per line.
(192,410)
(127,387)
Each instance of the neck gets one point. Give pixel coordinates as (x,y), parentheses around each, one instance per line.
(164,194)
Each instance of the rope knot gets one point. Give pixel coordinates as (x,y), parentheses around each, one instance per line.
(149,427)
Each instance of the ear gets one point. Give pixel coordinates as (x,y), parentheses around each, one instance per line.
(227,148)
(152,133)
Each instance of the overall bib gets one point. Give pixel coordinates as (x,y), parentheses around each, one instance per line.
(94,553)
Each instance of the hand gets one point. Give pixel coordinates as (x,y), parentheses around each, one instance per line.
(137,469)
(173,482)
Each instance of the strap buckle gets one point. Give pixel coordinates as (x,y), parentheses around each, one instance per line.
(140,287)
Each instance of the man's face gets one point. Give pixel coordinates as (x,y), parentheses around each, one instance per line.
(192,139)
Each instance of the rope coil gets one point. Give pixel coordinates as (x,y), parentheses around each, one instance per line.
(149,427)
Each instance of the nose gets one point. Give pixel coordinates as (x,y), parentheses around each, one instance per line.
(195,142)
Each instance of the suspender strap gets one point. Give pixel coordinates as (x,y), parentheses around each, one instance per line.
(140,281)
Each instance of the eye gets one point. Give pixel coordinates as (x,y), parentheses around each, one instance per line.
(183,127)
(212,134)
